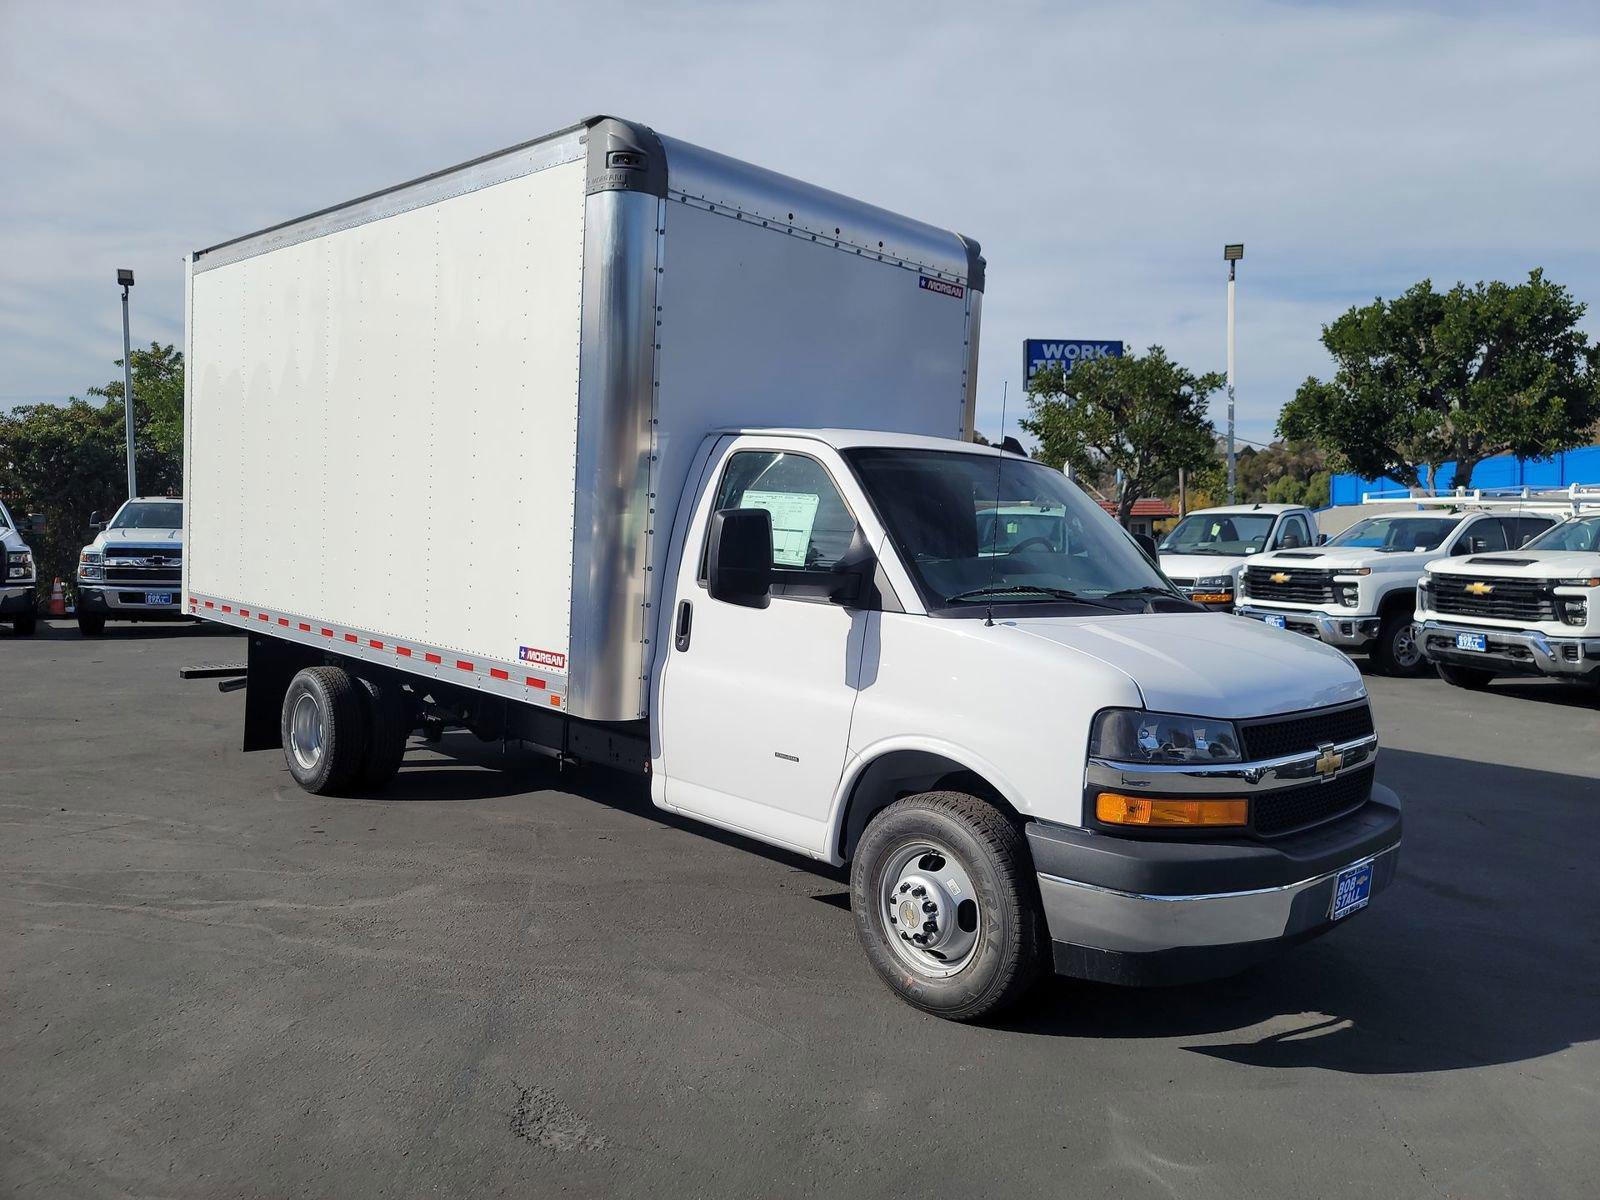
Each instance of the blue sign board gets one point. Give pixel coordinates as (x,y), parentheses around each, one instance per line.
(1065,353)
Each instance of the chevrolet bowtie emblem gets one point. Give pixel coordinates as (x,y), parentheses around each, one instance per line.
(1280,577)
(1329,761)
(1478,589)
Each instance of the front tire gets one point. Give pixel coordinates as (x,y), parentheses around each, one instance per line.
(1397,651)
(324,729)
(1464,677)
(91,625)
(25,625)
(946,905)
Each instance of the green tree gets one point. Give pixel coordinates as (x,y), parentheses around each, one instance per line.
(1461,375)
(1143,416)
(68,461)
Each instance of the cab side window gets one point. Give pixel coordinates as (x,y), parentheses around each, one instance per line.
(1522,530)
(1294,534)
(812,527)
(1486,536)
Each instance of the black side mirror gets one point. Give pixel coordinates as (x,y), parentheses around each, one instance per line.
(739,561)
(1322,539)
(1148,545)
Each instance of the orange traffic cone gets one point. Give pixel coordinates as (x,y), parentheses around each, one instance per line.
(58,600)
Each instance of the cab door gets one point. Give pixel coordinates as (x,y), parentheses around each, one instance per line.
(755,703)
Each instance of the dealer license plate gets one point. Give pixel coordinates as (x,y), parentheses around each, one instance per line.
(1471,641)
(1352,890)
(158,597)
(1275,622)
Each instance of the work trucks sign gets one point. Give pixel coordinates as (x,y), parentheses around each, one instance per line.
(1066,354)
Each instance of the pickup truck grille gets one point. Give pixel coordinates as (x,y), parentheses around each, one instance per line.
(1505,599)
(1279,737)
(1294,585)
(1273,814)
(143,564)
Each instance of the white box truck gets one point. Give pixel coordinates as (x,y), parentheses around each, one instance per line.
(657,460)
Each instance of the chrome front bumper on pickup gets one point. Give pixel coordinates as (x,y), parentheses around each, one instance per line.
(1511,651)
(1335,630)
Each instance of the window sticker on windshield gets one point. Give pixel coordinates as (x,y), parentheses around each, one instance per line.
(793,515)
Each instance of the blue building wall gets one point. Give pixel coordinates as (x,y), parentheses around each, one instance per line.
(1575,466)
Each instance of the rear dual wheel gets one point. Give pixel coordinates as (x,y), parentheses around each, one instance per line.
(946,905)
(342,733)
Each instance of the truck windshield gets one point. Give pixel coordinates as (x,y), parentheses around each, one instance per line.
(1219,533)
(148,514)
(980,530)
(1397,534)
(1581,533)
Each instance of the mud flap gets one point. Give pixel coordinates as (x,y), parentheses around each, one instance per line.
(272,664)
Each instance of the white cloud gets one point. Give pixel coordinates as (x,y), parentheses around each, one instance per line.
(1102,153)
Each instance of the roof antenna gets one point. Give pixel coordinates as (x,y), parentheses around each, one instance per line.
(994,537)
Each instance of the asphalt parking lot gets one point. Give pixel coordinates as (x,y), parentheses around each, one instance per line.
(522,984)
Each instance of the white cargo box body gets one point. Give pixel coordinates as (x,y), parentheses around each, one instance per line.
(446,426)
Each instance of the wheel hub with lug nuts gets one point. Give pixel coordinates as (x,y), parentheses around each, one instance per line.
(930,909)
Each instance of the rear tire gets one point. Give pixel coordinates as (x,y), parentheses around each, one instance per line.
(994,930)
(90,625)
(388,728)
(25,624)
(1464,677)
(1397,651)
(324,729)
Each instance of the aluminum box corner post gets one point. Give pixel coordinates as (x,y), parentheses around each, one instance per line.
(977,269)
(613,515)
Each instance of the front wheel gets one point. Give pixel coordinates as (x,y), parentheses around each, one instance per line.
(946,905)
(1397,651)
(1464,677)
(25,625)
(90,625)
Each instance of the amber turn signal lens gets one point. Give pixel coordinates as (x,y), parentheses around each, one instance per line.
(1212,597)
(1113,808)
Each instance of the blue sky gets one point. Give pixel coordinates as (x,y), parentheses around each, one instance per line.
(1102,153)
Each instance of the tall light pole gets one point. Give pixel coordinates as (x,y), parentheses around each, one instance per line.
(125,278)
(1232,253)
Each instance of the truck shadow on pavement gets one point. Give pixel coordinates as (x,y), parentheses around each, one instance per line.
(1482,952)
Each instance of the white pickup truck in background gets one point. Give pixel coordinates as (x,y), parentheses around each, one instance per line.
(1358,590)
(1206,551)
(133,569)
(18,581)
(562,447)
(1534,611)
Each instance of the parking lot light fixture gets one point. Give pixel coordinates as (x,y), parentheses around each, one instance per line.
(125,281)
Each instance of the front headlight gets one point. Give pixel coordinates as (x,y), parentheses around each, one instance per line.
(89,565)
(19,564)
(1128,735)
(1214,583)
(1590,581)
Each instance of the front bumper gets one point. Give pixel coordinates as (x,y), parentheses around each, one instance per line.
(1512,651)
(17,601)
(1335,630)
(1133,911)
(122,602)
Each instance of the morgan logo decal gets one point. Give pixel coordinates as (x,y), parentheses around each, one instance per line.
(542,658)
(928,284)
